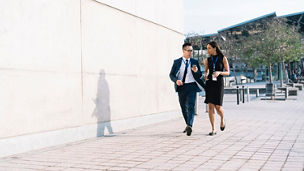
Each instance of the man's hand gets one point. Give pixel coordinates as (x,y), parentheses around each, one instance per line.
(194,68)
(179,82)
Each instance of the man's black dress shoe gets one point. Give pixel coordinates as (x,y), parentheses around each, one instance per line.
(185,130)
(189,130)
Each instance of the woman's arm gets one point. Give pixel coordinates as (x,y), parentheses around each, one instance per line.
(206,69)
(226,66)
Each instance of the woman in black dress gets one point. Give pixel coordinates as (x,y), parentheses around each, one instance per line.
(216,66)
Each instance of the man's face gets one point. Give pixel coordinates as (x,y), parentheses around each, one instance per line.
(187,51)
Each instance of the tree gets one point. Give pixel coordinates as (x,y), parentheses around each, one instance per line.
(290,48)
(278,42)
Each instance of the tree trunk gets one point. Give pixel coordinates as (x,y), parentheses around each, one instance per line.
(289,72)
(269,72)
(285,73)
(236,82)
(270,80)
(281,74)
(246,71)
(253,74)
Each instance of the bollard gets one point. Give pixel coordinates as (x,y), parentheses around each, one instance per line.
(257,92)
(286,93)
(243,95)
(237,95)
(240,94)
(207,110)
(248,94)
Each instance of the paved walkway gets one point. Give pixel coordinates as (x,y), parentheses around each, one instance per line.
(260,135)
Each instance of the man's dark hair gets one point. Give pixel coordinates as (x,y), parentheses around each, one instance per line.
(186,44)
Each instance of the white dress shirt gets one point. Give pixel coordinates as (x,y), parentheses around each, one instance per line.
(189,76)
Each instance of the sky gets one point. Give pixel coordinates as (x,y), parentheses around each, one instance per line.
(207,16)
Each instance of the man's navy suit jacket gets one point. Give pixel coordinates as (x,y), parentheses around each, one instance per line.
(197,75)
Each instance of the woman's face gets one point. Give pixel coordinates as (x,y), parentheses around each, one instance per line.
(211,50)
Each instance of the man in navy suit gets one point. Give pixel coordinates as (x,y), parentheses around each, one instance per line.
(186,74)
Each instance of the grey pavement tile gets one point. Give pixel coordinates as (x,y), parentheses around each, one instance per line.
(118,168)
(207,167)
(182,168)
(129,164)
(222,157)
(95,167)
(244,154)
(25,166)
(247,169)
(265,150)
(250,149)
(272,164)
(203,168)
(166,167)
(16,169)
(173,161)
(251,166)
(296,153)
(137,169)
(65,164)
(285,145)
(277,158)
(268,169)
(293,164)
(75,169)
(209,153)
(227,169)
(298,146)
(54,168)
(259,157)
(233,164)
(199,159)
(213,164)
(240,158)
(292,169)
(295,159)
(281,152)
(147,165)
(188,165)
(193,164)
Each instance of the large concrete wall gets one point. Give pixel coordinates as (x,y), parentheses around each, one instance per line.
(67,65)
(40,66)
(168,13)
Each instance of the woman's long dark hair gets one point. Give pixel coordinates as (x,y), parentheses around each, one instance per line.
(218,50)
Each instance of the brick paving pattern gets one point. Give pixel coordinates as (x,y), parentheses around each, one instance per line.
(259,135)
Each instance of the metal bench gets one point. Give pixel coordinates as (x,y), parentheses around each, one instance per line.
(230,82)
(299,86)
(285,89)
(296,85)
(292,92)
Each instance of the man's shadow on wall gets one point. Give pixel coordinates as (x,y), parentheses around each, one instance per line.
(102,109)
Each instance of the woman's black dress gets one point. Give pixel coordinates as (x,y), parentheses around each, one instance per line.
(215,89)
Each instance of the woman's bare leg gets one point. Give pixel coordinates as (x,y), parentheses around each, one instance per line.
(211,114)
(220,111)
